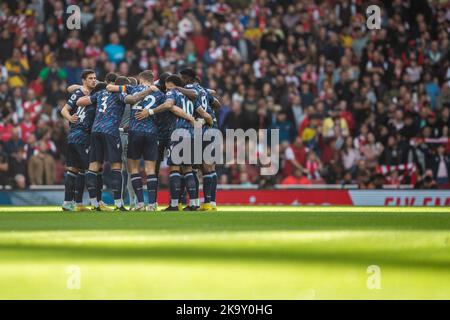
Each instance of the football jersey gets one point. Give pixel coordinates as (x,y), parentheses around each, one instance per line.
(109,111)
(151,101)
(204,99)
(165,120)
(79,131)
(183,102)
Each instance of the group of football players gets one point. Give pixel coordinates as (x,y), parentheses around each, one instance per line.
(125,120)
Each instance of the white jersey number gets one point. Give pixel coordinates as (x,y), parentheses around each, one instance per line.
(103,105)
(188,106)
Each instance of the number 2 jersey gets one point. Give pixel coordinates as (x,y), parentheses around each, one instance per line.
(79,131)
(148,125)
(109,111)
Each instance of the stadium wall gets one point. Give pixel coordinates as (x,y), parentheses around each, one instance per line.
(267,197)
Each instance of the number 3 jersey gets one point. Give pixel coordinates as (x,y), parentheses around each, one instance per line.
(151,101)
(109,111)
(79,131)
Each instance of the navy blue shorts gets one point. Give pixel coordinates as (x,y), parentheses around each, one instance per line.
(77,156)
(105,147)
(142,145)
(163,147)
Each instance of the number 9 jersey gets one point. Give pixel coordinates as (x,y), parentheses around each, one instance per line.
(205,100)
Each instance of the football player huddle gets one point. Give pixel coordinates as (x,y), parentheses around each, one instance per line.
(126,120)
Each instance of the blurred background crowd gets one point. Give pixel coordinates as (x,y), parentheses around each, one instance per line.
(353,106)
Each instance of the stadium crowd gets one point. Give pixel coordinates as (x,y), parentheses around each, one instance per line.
(353,106)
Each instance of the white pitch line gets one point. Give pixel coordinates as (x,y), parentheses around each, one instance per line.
(299,209)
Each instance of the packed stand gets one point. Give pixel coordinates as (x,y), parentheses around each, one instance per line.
(353,106)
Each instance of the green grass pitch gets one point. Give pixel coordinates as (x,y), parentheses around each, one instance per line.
(237,253)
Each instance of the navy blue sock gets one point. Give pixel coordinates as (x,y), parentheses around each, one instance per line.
(207,186)
(191,187)
(99,185)
(214,186)
(197,181)
(79,187)
(157,188)
(182,190)
(174,186)
(91,184)
(69,184)
(117,184)
(136,182)
(152,185)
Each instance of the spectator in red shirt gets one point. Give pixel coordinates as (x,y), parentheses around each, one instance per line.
(5,131)
(297,178)
(348,116)
(295,156)
(32,106)
(27,127)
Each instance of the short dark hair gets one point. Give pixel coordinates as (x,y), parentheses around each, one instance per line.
(122,81)
(98,87)
(86,72)
(189,72)
(164,76)
(162,81)
(146,75)
(175,79)
(111,77)
(133,81)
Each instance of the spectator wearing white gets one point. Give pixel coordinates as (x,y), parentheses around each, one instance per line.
(350,155)
(441,166)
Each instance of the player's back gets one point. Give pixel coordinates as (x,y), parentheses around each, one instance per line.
(204,99)
(151,101)
(109,111)
(183,102)
(166,122)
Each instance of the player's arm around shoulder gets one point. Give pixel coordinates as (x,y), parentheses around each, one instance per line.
(216,104)
(84,101)
(74,87)
(205,115)
(189,92)
(177,111)
(116,88)
(135,98)
(147,112)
